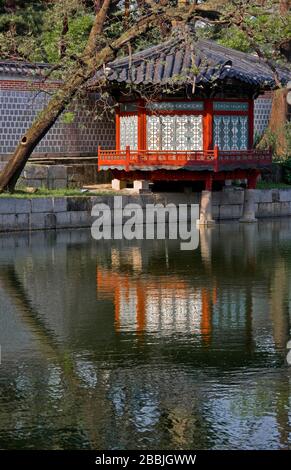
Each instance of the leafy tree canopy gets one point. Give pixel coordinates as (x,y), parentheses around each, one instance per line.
(49,30)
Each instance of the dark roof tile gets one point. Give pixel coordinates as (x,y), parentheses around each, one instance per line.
(23,69)
(174,58)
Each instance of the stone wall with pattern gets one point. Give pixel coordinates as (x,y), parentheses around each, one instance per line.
(262,110)
(80,137)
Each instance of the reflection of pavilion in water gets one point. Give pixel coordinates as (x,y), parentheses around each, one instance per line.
(165,305)
(213,304)
(145,389)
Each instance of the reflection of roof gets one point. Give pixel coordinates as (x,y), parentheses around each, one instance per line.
(23,69)
(178,60)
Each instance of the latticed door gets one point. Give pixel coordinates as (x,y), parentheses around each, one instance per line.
(174,132)
(231,132)
(129,132)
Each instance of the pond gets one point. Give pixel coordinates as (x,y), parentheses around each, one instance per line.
(138,345)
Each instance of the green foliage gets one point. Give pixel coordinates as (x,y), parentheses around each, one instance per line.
(22,193)
(20,29)
(235,39)
(266,25)
(79,27)
(286,165)
(68,118)
(270,140)
(35,30)
(228,37)
(271,185)
(288,137)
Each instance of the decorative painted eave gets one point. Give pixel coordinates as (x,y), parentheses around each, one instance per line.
(176,61)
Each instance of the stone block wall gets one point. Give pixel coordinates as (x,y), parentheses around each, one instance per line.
(43,213)
(228,204)
(62,176)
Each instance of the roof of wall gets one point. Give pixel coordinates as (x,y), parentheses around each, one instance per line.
(23,69)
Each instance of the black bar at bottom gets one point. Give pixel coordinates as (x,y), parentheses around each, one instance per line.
(159,459)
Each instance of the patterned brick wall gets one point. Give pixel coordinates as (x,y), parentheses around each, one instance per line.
(19,105)
(262,111)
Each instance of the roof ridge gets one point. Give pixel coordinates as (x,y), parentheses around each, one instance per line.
(24,63)
(141,55)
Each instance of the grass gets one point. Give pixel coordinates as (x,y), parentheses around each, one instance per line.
(265,185)
(21,193)
(43,192)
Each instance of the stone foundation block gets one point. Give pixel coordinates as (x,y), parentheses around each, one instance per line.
(285,195)
(231,211)
(35,172)
(59,204)
(81,219)
(7,205)
(41,205)
(117,185)
(37,220)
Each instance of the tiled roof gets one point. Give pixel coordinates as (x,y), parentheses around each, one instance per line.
(23,69)
(178,60)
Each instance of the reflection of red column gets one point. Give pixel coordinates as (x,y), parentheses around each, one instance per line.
(125,283)
(214,295)
(109,285)
(117,306)
(206,316)
(141,308)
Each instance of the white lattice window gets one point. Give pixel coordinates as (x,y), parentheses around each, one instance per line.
(178,132)
(128,132)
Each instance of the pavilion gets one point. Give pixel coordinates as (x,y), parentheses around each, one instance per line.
(186,113)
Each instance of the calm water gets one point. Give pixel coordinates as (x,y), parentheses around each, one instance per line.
(141,346)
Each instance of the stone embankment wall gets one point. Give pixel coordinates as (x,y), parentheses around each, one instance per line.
(75,212)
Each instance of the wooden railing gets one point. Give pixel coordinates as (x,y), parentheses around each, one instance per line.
(132,159)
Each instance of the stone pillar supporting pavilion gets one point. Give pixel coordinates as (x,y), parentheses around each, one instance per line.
(249,207)
(206,209)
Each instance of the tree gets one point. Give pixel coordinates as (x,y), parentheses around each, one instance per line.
(80,59)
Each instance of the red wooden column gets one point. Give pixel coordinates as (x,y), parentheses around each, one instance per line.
(208,182)
(208,125)
(117,130)
(141,144)
(251,123)
(216,161)
(252,179)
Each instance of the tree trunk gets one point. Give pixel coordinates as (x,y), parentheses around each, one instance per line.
(81,74)
(284,6)
(55,107)
(85,67)
(65,29)
(278,120)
